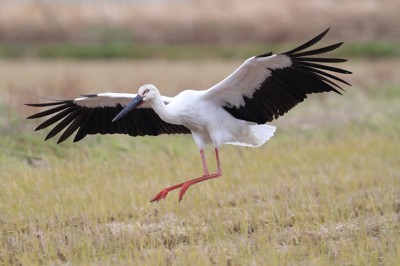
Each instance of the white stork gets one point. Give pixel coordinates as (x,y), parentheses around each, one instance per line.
(234,111)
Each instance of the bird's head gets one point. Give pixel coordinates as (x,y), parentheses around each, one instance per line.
(146,93)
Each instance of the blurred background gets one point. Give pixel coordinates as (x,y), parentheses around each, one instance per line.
(191,21)
(26,26)
(51,45)
(343,147)
(64,48)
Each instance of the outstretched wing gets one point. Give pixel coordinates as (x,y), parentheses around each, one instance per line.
(267,86)
(92,114)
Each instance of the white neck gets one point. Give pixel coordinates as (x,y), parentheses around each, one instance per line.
(162,110)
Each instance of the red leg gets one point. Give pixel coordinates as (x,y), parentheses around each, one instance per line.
(184,186)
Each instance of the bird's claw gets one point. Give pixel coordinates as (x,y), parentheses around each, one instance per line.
(161,195)
(182,192)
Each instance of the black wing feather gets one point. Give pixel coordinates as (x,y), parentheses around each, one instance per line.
(286,87)
(49,111)
(321,59)
(309,43)
(63,124)
(317,51)
(54,118)
(76,123)
(88,121)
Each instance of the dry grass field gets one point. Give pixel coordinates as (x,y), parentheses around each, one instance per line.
(324,190)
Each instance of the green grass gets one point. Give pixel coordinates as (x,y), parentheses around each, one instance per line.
(130,50)
(325,190)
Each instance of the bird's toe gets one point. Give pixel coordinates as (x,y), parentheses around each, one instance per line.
(161,195)
(182,192)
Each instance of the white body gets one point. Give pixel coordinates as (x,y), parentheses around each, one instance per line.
(208,122)
(202,111)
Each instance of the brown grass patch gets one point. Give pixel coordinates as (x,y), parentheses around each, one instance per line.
(197,21)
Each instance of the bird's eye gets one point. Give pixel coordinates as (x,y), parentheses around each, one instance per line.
(146,91)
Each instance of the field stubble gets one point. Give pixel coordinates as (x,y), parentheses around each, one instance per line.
(324,190)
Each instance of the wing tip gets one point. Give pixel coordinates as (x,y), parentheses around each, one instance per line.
(264,55)
(90,95)
(38,128)
(308,43)
(322,34)
(347,72)
(55,102)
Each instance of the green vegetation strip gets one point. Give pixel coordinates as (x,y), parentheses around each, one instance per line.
(178,51)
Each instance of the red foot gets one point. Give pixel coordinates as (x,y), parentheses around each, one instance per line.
(163,193)
(184,186)
(183,190)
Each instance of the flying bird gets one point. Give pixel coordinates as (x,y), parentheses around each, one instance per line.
(234,111)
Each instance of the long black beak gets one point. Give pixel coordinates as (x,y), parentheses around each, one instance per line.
(134,103)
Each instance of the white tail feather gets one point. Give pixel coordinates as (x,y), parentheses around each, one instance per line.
(257,136)
(263,133)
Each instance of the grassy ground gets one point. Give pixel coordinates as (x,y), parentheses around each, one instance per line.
(324,190)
